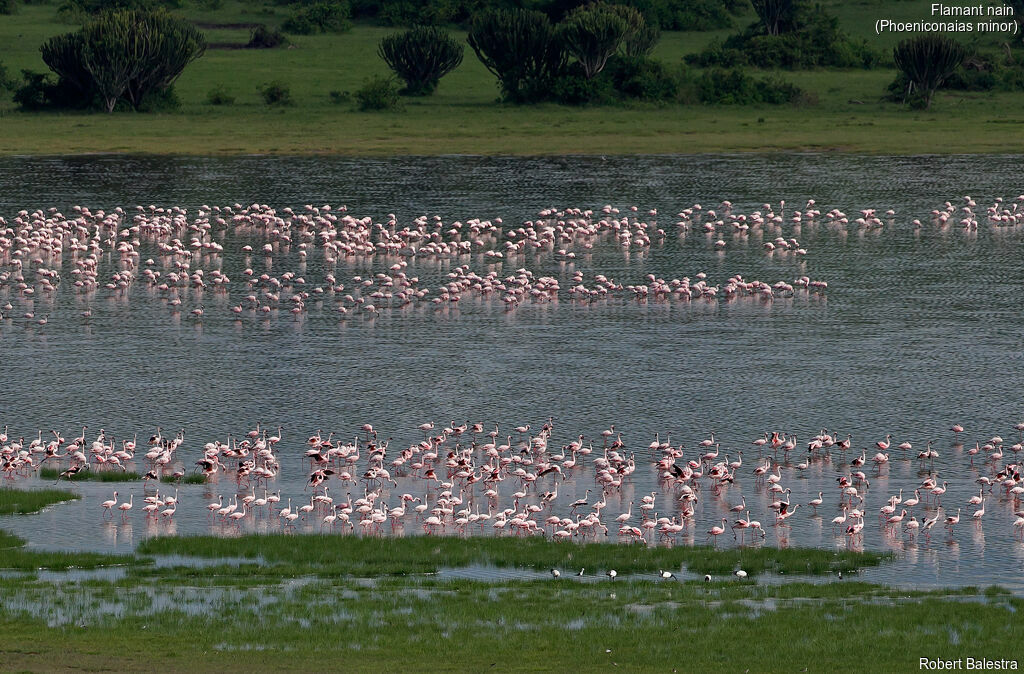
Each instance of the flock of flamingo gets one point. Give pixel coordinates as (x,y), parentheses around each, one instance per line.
(461,479)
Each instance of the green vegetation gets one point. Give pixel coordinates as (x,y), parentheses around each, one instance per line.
(90,475)
(646,106)
(378,93)
(421,57)
(521,48)
(125,55)
(333,554)
(194,478)
(926,61)
(325,16)
(549,625)
(13,557)
(26,501)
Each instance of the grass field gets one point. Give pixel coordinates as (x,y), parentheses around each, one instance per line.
(464,117)
(232,617)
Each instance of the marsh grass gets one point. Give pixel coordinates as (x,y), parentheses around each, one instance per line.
(194,478)
(425,554)
(415,624)
(90,475)
(26,501)
(14,557)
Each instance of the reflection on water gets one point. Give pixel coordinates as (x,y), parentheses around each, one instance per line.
(920,328)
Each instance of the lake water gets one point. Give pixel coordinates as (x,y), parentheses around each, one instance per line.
(920,328)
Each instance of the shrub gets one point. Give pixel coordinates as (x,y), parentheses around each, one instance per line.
(40,92)
(927,60)
(339,97)
(319,17)
(815,41)
(378,93)
(521,49)
(276,93)
(262,37)
(642,78)
(421,57)
(8,6)
(128,54)
(736,87)
(219,96)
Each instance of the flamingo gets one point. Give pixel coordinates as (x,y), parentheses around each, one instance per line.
(125,507)
(717,531)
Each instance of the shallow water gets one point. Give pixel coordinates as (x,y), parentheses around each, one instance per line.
(919,329)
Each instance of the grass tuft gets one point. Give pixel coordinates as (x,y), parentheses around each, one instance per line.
(91,475)
(27,501)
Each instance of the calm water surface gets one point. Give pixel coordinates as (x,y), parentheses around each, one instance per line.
(919,329)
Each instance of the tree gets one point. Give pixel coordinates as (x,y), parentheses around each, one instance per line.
(520,48)
(421,57)
(777,16)
(592,35)
(126,54)
(927,60)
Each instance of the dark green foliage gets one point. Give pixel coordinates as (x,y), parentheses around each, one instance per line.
(326,16)
(262,37)
(127,54)
(640,42)
(642,78)
(276,93)
(421,57)
(592,34)
(39,91)
(521,48)
(219,96)
(378,93)
(8,6)
(927,60)
(573,87)
(77,11)
(815,42)
(777,16)
(736,87)
(7,82)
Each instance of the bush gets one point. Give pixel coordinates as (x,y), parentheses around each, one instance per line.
(8,6)
(642,78)
(129,54)
(736,87)
(421,57)
(219,96)
(262,37)
(521,49)
(40,92)
(378,93)
(319,17)
(815,41)
(276,93)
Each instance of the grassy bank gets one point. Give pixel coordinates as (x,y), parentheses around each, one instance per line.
(425,554)
(27,501)
(280,613)
(409,625)
(463,117)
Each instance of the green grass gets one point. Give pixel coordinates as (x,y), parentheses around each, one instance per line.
(90,475)
(463,117)
(13,557)
(27,501)
(423,554)
(195,478)
(404,624)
